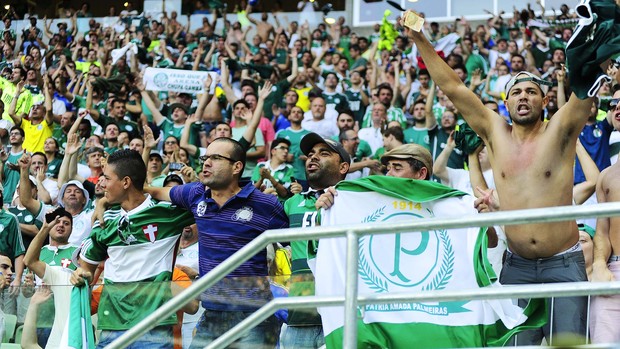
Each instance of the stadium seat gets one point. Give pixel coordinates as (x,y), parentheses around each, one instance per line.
(10,346)
(10,321)
(18,334)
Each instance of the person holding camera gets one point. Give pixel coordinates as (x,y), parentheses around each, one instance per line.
(53,264)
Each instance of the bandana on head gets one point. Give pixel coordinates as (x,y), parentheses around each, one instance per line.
(529,77)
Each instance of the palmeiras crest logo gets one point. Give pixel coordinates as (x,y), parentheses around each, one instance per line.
(160,80)
(405,261)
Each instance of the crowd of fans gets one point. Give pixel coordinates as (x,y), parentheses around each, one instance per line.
(70,100)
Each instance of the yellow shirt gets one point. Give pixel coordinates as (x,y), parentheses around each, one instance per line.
(303,101)
(85,66)
(36,135)
(24,102)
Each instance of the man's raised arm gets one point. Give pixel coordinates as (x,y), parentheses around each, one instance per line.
(475,113)
(161,194)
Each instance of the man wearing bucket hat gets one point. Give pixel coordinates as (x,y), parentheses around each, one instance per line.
(408,161)
(72,196)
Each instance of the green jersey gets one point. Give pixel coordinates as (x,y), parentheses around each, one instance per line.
(168,128)
(11,177)
(359,62)
(282,174)
(344,43)
(275,97)
(301,213)
(53,168)
(25,217)
(79,102)
(60,136)
(335,101)
(363,148)
(124,125)
(58,256)
(379,153)
(138,248)
(414,135)
(55,256)
(11,243)
(237,133)
(476,62)
(355,104)
(295,136)
(281,55)
(393,114)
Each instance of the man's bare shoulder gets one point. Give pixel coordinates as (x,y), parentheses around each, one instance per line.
(610,186)
(575,111)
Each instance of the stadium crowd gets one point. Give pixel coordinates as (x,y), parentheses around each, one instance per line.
(282,116)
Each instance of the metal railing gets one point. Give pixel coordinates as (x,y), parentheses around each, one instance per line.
(352,233)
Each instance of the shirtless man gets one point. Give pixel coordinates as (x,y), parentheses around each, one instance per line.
(606,265)
(263,28)
(541,155)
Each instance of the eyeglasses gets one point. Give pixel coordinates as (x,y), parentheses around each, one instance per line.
(170,142)
(283,148)
(216,157)
(614,102)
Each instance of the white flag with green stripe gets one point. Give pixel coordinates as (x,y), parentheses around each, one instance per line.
(78,334)
(440,259)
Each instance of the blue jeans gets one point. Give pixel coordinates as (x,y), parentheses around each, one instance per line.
(43,334)
(215,323)
(301,337)
(157,338)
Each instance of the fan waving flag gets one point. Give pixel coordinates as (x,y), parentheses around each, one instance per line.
(79,331)
(440,259)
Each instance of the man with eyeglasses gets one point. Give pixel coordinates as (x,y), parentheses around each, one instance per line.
(136,241)
(228,217)
(606,263)
(276,173)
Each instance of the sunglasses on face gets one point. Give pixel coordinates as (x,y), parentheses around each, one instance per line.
(614,102)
